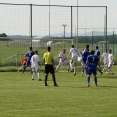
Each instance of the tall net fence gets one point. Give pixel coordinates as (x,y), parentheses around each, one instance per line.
(24,23)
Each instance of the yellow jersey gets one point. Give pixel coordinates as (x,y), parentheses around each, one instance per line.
(48,56)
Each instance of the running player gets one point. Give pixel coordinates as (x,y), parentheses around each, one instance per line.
(63,60)
(97,53)
(91,65)
(85,54)
(75,52)
(105,57)
(35,63)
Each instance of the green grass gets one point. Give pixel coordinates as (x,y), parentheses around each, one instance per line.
(22,97)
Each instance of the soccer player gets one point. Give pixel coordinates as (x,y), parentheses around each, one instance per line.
(105,57)
(97,53)
(63,60)
(48,59)
(110,62)
(23,62)
(91,66)
(85,54)
(75,52)
(35,63)
(29,54)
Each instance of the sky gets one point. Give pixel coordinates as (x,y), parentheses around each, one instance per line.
(111,6)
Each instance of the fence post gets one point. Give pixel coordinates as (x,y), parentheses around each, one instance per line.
(113,43)
(31,24)
(16,59)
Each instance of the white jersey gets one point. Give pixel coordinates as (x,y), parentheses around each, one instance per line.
(63,56)
(35,60)
(105,56)
(74,52)
(110,58)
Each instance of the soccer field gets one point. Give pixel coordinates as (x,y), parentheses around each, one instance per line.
(22,97)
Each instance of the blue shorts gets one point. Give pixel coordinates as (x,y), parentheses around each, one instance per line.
(90,71)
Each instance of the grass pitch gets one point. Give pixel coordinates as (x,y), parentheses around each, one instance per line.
(22,97)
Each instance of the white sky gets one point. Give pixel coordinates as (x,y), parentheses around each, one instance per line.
(111,6)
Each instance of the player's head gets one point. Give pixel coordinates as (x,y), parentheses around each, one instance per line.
(36,52)
(92,52)
(64,50)
(87,47)
(48,48)
(109,51)
(72,46)
(96,47)
(30,48)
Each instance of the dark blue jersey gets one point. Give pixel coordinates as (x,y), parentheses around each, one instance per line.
(85,54)
(97,53)
(92,61)
(29,54)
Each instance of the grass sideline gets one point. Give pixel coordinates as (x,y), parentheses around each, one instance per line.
(22,97)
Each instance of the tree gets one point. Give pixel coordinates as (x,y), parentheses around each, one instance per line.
(3,35)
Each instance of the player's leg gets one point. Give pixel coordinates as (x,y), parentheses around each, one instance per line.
(68,65)
(110,71)
(27,64)
(83,65)
(99,71)
(74,68)
(95,77)
(89,72)
(53,75)
(75,60)
(71,65)
(38,72)
(46,74)
(33,72)
(58,66)
(20,68)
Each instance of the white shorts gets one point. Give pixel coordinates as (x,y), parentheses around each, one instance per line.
(65,62)
(35,68)
(74,59)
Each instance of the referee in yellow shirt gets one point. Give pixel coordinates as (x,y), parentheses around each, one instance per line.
(48,59)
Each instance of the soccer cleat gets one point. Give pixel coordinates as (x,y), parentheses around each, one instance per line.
(55,85)
(88,85)
(96,85)
(46,85)
(74,73)
(40,80)
(32,78)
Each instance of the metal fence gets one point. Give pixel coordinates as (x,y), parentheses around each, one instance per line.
(51,22)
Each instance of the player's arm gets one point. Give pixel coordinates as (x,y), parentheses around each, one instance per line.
(86,65)
(99,66)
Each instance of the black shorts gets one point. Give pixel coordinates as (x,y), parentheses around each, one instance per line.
(49,69)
